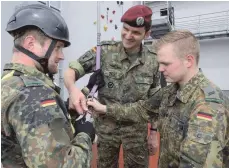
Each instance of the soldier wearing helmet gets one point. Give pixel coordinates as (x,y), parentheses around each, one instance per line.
(36,127)
(130,73)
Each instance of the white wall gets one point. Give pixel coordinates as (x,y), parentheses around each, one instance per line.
(7,9)
(214,61)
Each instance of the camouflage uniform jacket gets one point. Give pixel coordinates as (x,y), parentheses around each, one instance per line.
(128,78)
(192,122)
(36,131)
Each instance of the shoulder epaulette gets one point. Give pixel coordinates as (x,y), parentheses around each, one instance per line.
(212,94)
(151,49)
(108,42)
(31,81)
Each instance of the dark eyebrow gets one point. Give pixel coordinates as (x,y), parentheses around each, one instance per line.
(136,32)
(125,27)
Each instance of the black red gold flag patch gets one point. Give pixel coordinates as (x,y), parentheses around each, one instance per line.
(204,116)
(48,102)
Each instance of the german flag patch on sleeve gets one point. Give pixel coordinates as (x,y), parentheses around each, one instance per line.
(204,116)
(48,102)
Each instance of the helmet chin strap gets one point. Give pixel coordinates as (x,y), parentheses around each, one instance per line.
(42,60)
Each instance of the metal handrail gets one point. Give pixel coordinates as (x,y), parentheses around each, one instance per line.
(204,18)
(202,14)
(205,23)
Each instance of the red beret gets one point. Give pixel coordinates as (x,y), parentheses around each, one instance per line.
(137,16)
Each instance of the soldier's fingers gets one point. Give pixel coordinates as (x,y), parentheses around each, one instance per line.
(84,105)
(90,103)
(92,100)
(89,99)
(77,106)
(71,105)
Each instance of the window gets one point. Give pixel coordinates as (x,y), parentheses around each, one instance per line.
(163,12)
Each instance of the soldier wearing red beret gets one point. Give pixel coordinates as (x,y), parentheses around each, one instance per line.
(138,16)
(130,73)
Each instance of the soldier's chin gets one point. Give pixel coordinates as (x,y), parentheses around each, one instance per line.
(53,71)
(167,79)
(170,81)
(127,46)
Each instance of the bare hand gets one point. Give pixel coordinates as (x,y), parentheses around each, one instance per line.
(152,143)
(77,100)
(97,107)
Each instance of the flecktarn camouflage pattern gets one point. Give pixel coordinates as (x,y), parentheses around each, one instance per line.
(36,128)
(128,78)
(193,122)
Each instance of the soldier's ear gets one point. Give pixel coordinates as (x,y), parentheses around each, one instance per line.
(190,60)
(29,42)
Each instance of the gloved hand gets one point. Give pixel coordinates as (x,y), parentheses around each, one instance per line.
(96,78)
(85,126)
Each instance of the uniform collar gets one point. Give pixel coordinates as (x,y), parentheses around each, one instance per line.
(184,93)
(141,59)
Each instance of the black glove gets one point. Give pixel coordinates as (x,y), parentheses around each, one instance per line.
(85,126)
(96,78)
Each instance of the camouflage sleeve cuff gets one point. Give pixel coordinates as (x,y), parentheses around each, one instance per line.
(126,112)
(111,110)
(83,140)
(76,66)
(85,91)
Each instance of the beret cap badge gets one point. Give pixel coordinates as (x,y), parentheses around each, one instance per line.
(140,21)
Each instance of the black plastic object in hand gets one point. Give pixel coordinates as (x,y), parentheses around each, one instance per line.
(87,127)
(96,79)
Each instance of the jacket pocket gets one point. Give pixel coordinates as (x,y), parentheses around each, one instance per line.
(197,143)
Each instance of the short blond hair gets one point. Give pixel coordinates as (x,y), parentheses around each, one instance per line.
(20,35)
(184,41)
